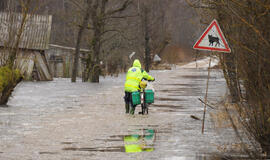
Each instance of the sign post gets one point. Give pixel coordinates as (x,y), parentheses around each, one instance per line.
(206,93)
(211,40)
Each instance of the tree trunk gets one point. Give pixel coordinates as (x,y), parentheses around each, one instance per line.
(95,59)
(98,27)
(146,37)
(78,43)
(15,48)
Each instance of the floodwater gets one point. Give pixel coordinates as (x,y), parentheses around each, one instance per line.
(63,120)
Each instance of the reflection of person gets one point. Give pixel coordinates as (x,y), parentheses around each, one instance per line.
(134,76)
(137,143)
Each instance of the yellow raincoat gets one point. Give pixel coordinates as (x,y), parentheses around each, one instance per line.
(134,76)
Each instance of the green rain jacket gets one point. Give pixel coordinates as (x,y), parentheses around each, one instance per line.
(134,76)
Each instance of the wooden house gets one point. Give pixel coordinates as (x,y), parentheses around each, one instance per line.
(33,43)
(60,60)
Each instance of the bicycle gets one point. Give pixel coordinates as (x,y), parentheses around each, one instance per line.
(145,97)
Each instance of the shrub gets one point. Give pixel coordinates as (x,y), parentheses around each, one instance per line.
(7,77)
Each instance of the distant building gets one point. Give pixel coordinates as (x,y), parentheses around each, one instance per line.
(61,60)
(32,45)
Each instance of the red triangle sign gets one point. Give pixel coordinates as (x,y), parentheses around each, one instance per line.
(212,39)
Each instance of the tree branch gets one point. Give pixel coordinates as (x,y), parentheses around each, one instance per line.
(126,16)
(123,7)
(199,6)
(77,4)
(250,25)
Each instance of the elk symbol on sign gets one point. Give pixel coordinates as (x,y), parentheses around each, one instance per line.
(213,39)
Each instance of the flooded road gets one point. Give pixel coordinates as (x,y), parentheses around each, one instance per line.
(63,120)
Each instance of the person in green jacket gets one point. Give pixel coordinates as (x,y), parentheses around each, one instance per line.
(134,76)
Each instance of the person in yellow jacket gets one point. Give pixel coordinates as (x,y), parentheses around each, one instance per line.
(134,76)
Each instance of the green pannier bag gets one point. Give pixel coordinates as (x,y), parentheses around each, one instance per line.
(149,96)
(136,98)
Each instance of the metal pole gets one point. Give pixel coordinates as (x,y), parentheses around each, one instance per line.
(206,93)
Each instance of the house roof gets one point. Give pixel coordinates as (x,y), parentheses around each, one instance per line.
(36,34)
(66,48)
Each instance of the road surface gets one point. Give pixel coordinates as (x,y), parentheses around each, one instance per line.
(76,121)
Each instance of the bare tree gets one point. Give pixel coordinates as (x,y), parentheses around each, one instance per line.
(12,77)
(246,69)
(155,36)
(14,49)
(79,38)
(100,14)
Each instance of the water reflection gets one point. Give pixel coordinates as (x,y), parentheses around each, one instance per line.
(142,141)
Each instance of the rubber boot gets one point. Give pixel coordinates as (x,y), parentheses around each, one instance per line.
(127,108)
(132,110)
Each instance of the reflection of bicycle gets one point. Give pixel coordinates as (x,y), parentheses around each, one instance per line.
(140,142)
(145,97)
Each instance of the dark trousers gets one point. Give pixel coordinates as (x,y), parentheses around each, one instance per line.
(128,101)
(128,98)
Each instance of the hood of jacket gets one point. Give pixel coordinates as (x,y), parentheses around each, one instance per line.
(137,63)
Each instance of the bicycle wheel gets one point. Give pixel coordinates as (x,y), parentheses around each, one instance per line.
(144,108)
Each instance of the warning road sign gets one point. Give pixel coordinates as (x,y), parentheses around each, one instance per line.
(212,39)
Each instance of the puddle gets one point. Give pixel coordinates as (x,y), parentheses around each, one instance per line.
(97,149)
(167,106)
(181,90)
(68,142)
(168,110)
(176,95)
(177,90)
(141,141)
(218,156)
(85,155)
(195,77)
(48,152)
(114,138)
(179,84)
(146,126)
(169,99)
(168,90)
